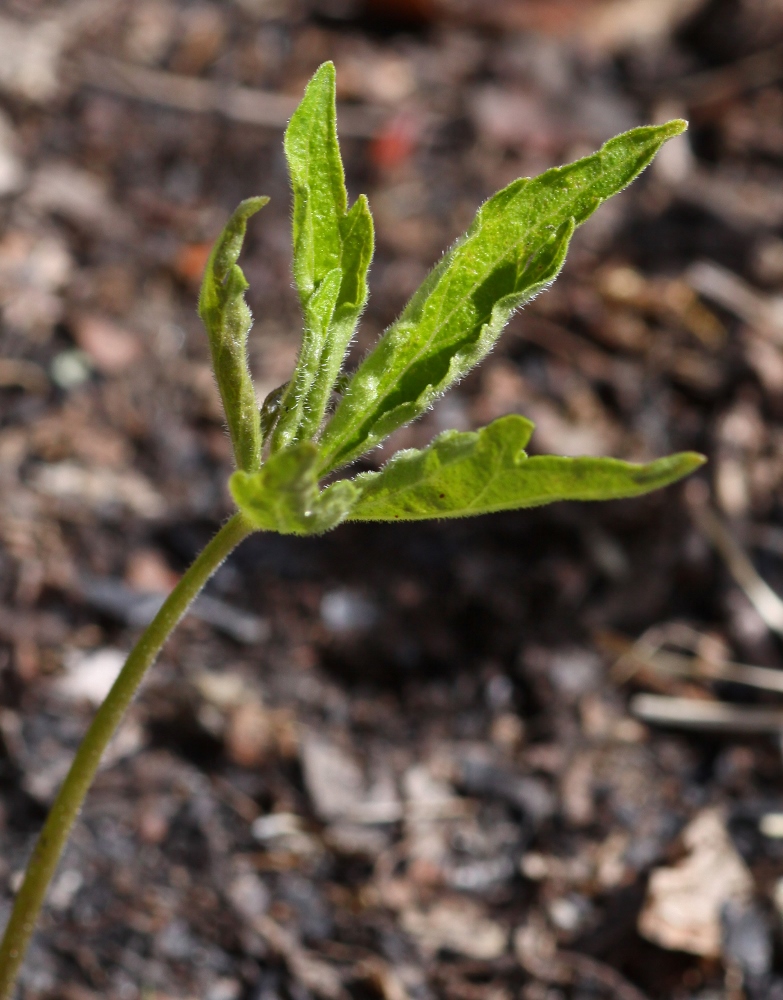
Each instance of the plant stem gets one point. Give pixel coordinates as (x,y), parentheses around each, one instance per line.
(68,803)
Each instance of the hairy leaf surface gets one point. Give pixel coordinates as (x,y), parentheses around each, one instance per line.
(332,252)
(515,246)
(283,495)
(227,319)
(462,474)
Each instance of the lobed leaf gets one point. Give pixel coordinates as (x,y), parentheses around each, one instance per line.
(227,319)
(515,246)
(332,252)
(463,474)
(283,494)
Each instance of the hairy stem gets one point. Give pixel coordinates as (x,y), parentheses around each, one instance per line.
(68,803)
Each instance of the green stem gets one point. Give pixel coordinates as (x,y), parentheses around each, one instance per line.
(68,803)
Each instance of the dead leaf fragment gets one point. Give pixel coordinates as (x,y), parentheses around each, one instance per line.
(33,270)
(457,925)
(98,489)
(59,188)
(29,59)
(333,778)
(684,903)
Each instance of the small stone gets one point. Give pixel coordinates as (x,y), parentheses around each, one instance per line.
(71,368)
(771,825)
(507,731)
(201,35)
(575,672)
(175,941)
(147,571)
(153,824)
(569,913)
(224,989)
(64,889)
(248,734)
(29,58)
(223,690)
(248,895)
(149,31)
(344,611)
(89,676)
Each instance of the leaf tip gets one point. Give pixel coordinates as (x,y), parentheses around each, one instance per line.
(665,471)
(326,73)
(252,205)
(690,461)
(238,218)
(668,130)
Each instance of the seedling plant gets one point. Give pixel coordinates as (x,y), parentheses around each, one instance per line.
(324,419)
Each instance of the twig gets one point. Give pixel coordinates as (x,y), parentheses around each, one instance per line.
(589,969)
(383,977)
(187,93)
(728,290)
(559,341)
(135,607)
(759,593)
(763,678)
(716,85)
(743,203)
(537,951)
(705,716)
(696,667)
(314,974)
(243,805)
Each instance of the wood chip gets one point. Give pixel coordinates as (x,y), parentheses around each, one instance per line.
(707,716)
(199,96)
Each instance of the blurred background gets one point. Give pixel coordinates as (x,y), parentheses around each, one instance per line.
(532,756)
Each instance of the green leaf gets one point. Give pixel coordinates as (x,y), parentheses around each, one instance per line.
(283,495)
(227,319)
(358,239)
(318,183)
(332,252)
(515,246)
(462,474)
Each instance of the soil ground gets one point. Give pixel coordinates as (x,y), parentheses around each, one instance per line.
(400,762)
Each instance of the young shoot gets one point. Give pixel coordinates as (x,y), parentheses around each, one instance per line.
(284,450)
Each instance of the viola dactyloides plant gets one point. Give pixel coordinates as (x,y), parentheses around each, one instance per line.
(514,248)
